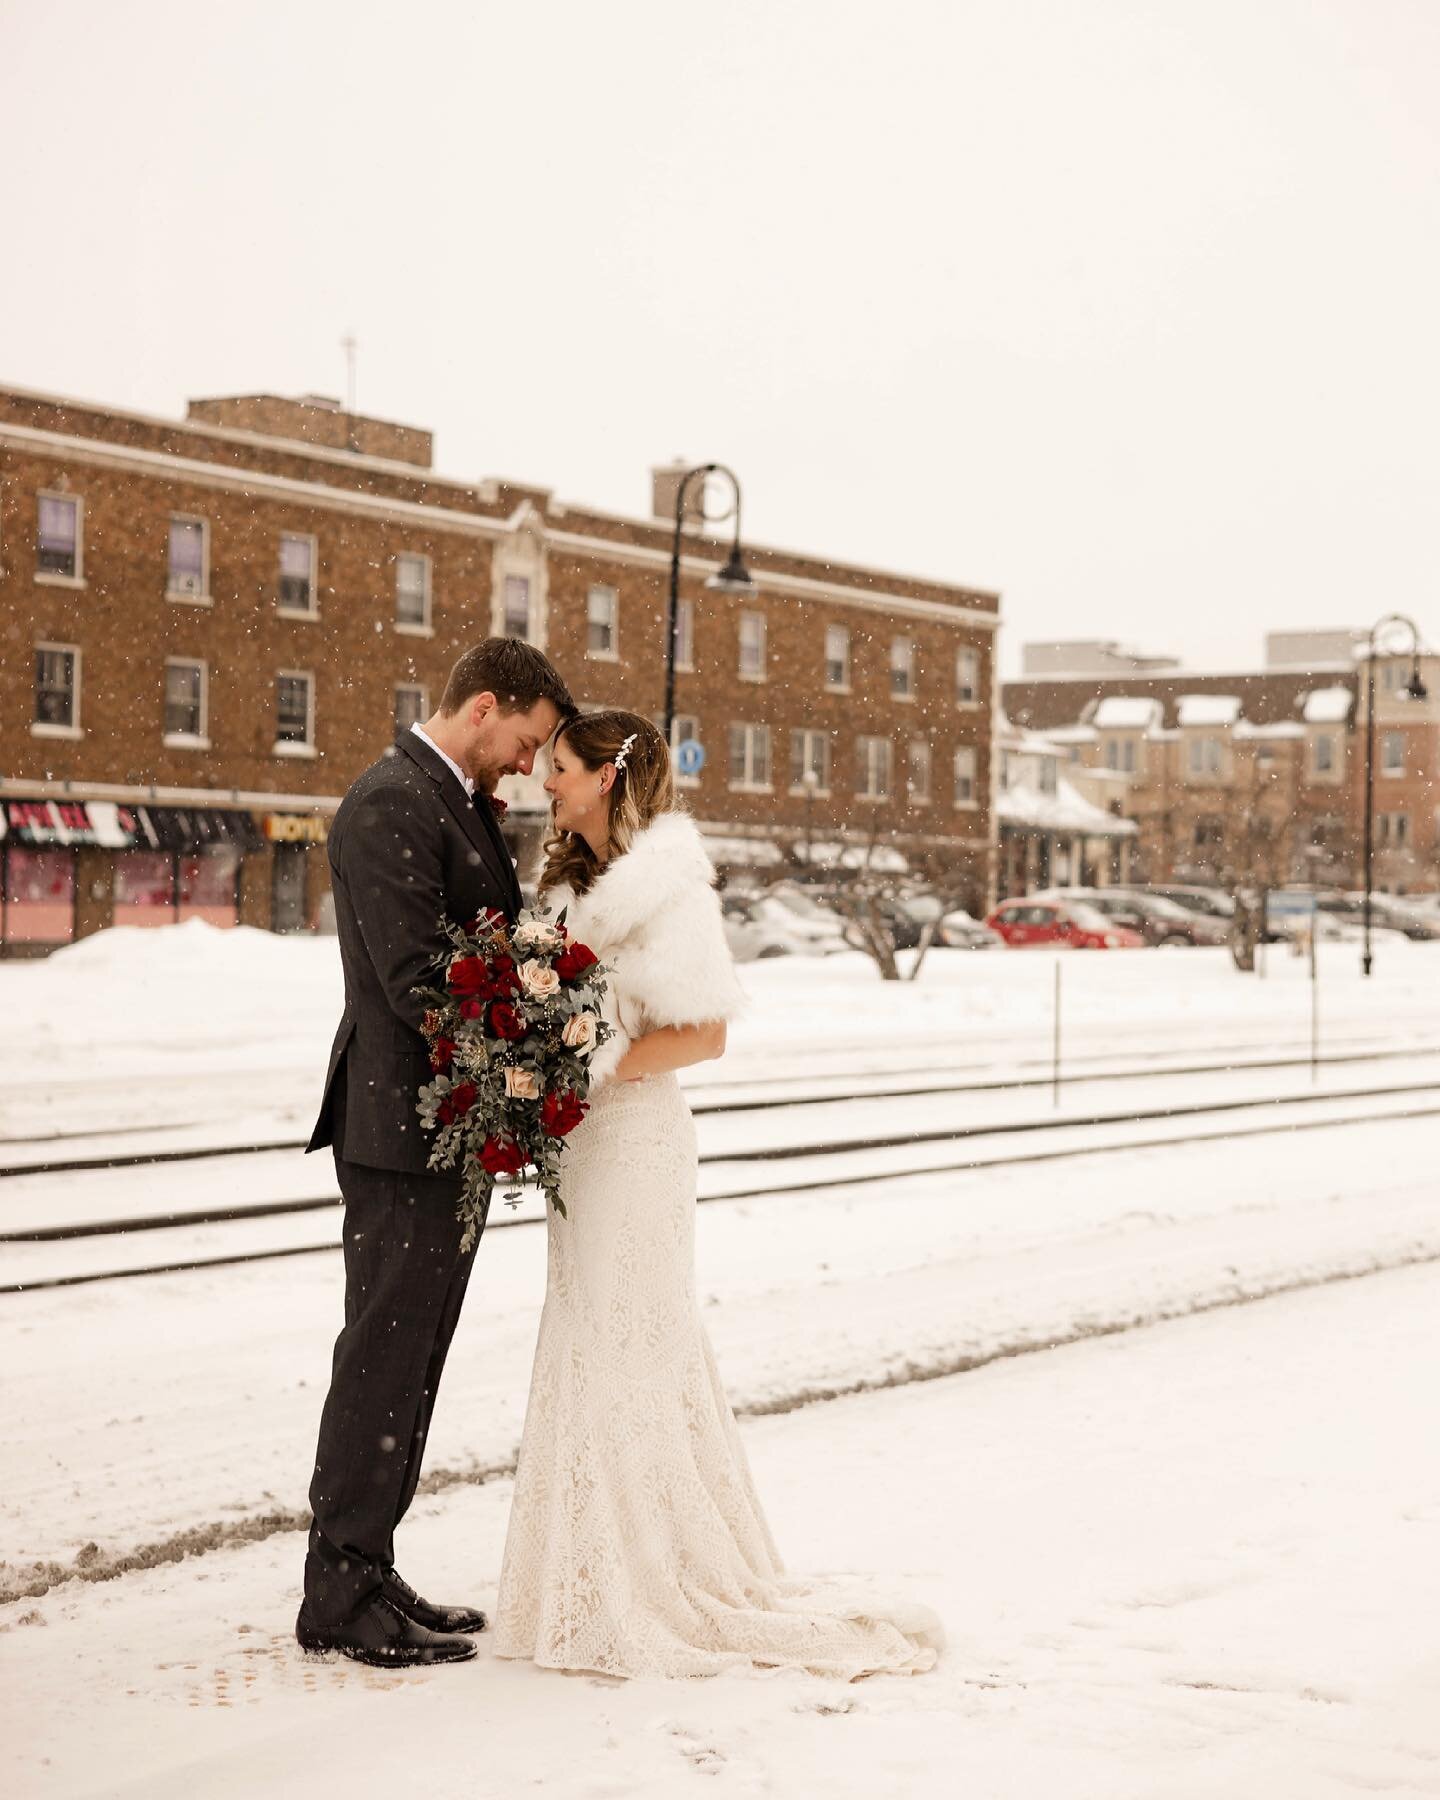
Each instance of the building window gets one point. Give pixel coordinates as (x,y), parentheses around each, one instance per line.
(752,646)
(809,762)
(186,686)
(411,707)
(517,606)
(873,758)
(294,712)
(1322,754)
(967,677)
(1048,775)
(1120,755)
(966,789)
(919,772)
(412,591)
(1394,830)
(837,659)
(1007,763)
(1205,756)
(1209,834)
(902,669)
(57,690)
(750,756)
(297,575)
(603,612)
(59,550)
(685,634)
(1392,753)
(186,574)
(684,728)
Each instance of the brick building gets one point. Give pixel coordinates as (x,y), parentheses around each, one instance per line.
(1259,775)
(207,628)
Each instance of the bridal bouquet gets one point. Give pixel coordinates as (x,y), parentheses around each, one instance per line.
(511,1027)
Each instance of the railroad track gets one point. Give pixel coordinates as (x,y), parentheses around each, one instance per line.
(835,1164)
(918,1081)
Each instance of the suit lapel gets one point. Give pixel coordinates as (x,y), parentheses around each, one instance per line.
(483,832)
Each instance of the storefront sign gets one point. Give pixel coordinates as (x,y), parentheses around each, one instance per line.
(296,828)
(65,823)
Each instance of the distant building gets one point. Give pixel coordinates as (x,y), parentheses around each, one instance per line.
(208,628)
(1088,656)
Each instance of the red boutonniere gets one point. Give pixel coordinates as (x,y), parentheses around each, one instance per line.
(498,806)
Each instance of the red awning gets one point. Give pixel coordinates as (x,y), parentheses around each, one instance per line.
(61,823)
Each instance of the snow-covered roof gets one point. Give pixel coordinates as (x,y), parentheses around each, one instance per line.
(1283,728)
(754,851)
(879,857)
(1065,735)
(1207,709)
(1328,706)
(1064,810)
(1127,712)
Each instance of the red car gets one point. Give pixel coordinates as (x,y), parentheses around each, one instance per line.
(1065,923)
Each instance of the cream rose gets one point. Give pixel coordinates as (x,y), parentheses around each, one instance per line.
(520,1084)
(535,934)
(579,1032)
(539,979)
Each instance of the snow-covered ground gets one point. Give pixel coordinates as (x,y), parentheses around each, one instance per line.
(1179,1555)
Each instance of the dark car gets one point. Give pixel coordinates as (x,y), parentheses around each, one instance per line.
(1159,922)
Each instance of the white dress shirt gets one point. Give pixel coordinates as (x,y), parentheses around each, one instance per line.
(449,761)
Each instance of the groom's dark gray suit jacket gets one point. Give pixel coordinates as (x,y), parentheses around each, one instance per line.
(406,846)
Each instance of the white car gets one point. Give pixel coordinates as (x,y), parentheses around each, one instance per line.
(762,925)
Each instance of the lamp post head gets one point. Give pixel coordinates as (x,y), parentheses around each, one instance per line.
(1415,688)
(734,578)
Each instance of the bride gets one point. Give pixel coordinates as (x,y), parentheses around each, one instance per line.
(636,1543)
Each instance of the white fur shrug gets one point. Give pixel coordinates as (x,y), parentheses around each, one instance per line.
(654,919)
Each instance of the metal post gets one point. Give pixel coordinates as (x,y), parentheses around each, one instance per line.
(1056,1052)
(1369,852)
(1314,995)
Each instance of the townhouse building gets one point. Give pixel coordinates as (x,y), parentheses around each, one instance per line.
(209,626)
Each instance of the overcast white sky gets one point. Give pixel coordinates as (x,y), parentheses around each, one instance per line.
(1127,308)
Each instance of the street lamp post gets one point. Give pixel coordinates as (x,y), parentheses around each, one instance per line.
(1414,689)
(734,578)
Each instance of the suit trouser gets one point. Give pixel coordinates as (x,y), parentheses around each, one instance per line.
(405,1280)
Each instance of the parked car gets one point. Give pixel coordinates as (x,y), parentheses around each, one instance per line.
(758,926)
(1420,926)
(1059,924)
(1214,903)
(954,930)
(1158,921)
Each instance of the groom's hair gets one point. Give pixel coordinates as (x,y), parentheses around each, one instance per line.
(516,673)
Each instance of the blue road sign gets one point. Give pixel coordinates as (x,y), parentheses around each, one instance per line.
(690,757)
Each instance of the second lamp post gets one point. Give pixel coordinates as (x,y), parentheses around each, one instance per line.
(734,578)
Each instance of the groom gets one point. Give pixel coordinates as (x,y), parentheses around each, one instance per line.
(408,844)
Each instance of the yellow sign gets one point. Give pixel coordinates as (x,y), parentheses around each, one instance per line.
(296,828)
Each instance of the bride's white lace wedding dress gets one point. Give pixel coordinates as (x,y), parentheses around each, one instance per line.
(637,1545)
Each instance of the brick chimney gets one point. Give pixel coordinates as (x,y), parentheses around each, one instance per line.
(316,419)
(665,490)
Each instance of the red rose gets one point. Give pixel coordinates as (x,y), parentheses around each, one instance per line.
(457,1102)
(505,1021)
(498,806)
(502,1156)
(471,1009)
(561,1111)
(469,975)
(504,977)
(574,960)
(442,1054)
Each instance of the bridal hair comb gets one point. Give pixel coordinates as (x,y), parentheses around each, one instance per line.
(622,754)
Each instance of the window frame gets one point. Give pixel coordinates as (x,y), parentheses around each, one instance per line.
(843,686)
(409,687)
(611,653)
(283,609)
(749,615)
(804,738)
(54,577)
(866,747)
(187,740)
(423,626)
(916,795)
(510,577)
(44,727)
(685,635)
(1387,739)
(179,595)
(972,699)
(964,803)
(902,668)
(293,746)
(755,732)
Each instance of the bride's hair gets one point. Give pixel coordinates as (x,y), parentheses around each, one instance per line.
(643,789)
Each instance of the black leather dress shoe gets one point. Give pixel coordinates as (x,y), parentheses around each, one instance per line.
(384,1637)
(404,1599)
